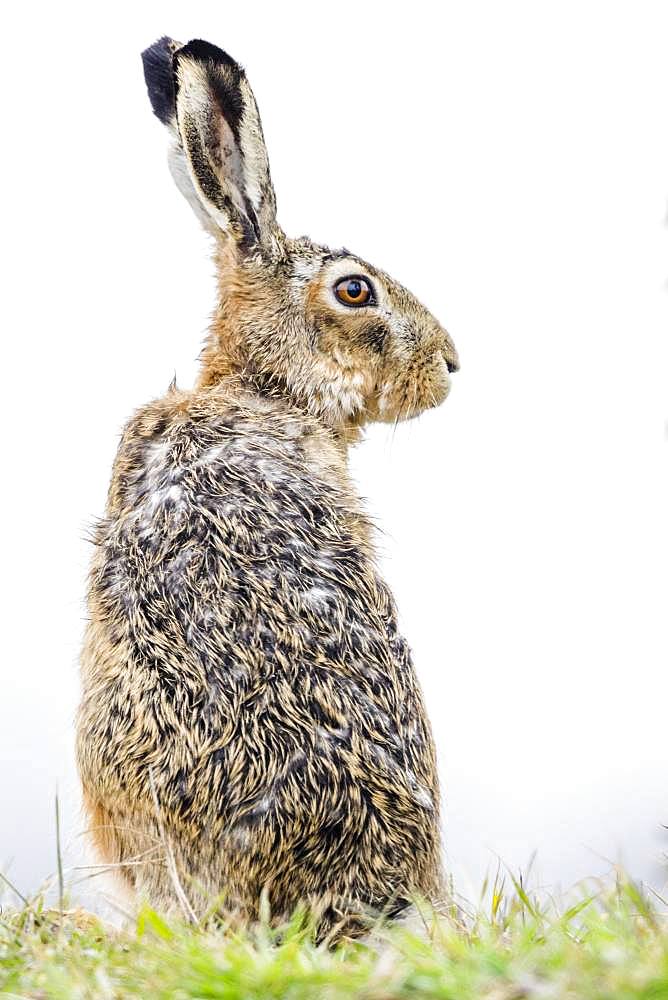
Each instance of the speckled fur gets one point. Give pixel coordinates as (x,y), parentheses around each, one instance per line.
(250,718)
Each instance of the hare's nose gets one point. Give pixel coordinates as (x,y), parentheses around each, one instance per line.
(449,352)
(451,357)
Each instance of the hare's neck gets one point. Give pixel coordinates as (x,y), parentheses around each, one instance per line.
(222,359)
(243,381)
(224,363)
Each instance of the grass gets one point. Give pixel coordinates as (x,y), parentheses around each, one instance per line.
(609,945)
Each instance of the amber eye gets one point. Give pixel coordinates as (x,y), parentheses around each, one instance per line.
(354,291)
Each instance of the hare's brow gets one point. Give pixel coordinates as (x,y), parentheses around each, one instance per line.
(335,255)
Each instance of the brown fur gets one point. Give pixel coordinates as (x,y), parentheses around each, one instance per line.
(250,718)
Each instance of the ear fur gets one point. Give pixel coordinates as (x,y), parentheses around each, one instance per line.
(159,76)
(203,96)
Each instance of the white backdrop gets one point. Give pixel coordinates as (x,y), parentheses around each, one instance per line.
(508,163)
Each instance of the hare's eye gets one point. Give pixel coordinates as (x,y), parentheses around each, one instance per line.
(354,291)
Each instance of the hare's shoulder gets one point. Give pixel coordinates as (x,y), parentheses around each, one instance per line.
(212,460)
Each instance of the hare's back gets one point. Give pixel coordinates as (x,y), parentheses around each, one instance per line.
(238,533)
(235,578)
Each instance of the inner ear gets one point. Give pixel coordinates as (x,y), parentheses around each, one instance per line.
(228,159)
(222,139)
(216,169)
(220,106)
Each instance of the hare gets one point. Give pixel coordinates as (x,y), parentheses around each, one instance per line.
(251,723)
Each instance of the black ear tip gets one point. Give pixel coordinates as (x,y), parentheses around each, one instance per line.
(203,51)
(159,76)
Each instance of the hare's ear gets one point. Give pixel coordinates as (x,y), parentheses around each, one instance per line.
(203,96)
(161,86)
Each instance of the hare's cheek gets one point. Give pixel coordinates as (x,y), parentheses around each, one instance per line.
(392,400)
(339,388)
(373,338)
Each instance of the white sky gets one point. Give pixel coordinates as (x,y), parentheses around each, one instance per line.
(509,164)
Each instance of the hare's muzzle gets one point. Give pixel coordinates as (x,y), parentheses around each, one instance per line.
(451,356)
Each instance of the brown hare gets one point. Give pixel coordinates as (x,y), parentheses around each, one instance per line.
(251,721)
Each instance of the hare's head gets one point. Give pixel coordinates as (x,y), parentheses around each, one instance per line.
(335,333)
